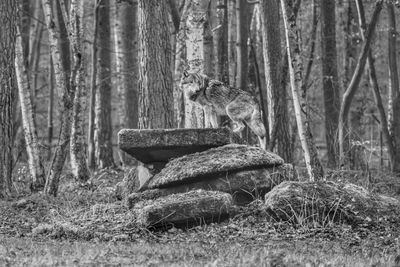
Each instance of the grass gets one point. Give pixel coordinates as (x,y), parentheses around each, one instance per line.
(28,252)
(89,227)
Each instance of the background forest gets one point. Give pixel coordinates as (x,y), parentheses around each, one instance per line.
(83,70)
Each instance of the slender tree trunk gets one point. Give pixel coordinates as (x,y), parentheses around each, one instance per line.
(314,167)
(243,16)
(198,53)
(28,119)
(8,19)
(352,88)
(103,126)
(232,58)
(126,44)
(93,89)
(221,42)
(278,118)
(50,110)
(57,46)
(256,50)
(155,75)
(394,90)
(180,65)
(77,145)
(330,80)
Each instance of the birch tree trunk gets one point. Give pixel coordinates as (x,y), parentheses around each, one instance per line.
(352,88)
(35,161)
(77,155)
(50,109)
(8,19)
(232,28)
(103,126)
(155,75)
(278,119)
(314,167)
(93,90)
(221,41)
(198,56)
(62,82)
(126,44)
(180,65)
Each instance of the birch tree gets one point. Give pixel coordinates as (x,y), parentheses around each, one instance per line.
(199,54)
(77,144)
(62,82)
(313,164)
(35,160)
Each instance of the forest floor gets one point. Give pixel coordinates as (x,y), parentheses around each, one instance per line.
(88,226)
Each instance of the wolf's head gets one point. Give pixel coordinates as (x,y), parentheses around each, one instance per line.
(193,83)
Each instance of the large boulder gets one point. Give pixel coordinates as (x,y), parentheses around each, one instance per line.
(213,164)
(187,209)
(324,202)
(244,186)
(154,146)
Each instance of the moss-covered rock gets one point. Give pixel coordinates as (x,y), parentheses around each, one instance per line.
(324,202)
(186,209)
(212,164)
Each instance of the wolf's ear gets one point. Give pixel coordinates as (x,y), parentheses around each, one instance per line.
(185,73)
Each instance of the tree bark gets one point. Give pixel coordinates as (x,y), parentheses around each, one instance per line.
(314,167)
(102,121)
(35,161)
(199,52)
(93,90)
(278,119)
(221,42)
(50,110)
(8,19)
(243,16)
(352,88)
(155,75)
(330,80)
(232,28)
(61,72)
(394,91)
(126,44)
(77,145)
(180,65)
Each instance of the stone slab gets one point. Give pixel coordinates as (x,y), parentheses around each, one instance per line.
(244,186)
(161,145)
(202,166)
(186,209)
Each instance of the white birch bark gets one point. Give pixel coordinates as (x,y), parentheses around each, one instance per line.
(78,161)
(60,73)
(35,161)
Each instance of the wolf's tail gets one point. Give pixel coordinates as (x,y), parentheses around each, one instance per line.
(256,123)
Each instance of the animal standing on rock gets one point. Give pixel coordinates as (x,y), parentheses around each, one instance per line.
(220,99)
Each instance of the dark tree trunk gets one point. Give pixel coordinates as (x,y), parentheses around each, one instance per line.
(330,80)
(155,76)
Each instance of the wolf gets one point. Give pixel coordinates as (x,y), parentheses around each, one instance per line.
(220,99)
